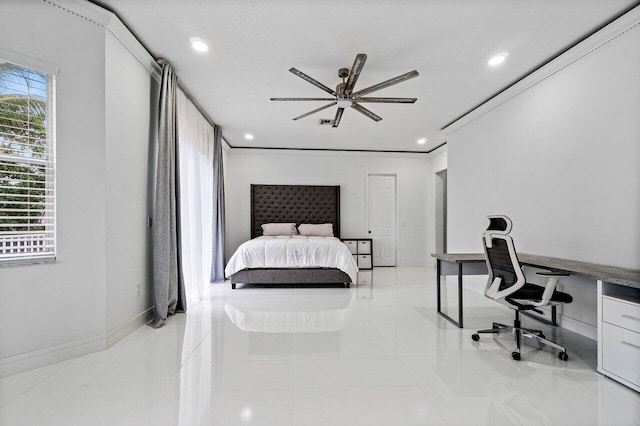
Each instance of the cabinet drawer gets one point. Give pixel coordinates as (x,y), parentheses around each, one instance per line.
(352,245)
(621,352)
(364,261)
(622,313)
(364,247)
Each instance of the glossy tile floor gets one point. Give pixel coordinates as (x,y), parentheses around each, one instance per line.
(373,355)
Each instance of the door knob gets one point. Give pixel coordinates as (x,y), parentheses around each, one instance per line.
(369,231)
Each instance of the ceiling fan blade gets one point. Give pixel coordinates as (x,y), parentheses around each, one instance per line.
(366,112)
(312,81)
(356,68)
(315,110)
(302,99)
(389,100)
(390,82)
(336,120)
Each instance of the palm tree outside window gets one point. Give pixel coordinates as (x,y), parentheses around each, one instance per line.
(27,195)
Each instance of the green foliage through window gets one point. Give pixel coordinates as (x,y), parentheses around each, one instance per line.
(26,155)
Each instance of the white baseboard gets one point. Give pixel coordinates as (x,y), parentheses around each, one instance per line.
(413,265)
(579,327)
(39,358)
(123,330)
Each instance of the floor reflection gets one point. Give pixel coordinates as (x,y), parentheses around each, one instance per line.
(290,313)
(374,355)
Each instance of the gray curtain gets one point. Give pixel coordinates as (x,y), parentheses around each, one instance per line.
(218,253)
(168,283)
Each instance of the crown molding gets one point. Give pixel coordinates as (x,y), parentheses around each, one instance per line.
(110,22)
(280,151)
(608,33)
(225,146)
(438,150)
(131,43)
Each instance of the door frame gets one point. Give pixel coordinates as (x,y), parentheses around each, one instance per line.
(397,211)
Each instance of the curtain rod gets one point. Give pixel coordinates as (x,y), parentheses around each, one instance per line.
(159,61)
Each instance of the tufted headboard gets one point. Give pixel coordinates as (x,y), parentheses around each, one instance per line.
(294,203)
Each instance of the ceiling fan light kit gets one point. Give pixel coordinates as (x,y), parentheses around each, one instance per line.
(344,102)
(344,95)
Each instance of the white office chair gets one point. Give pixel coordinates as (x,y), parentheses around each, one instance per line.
(507,285)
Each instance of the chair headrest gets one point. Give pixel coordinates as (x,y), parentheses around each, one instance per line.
(499,224)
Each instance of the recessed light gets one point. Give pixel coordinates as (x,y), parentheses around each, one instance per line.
(498,59)
(198,45)
(246,414)
(248,136)
(422,141)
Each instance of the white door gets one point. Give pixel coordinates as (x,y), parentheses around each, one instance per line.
(381,218)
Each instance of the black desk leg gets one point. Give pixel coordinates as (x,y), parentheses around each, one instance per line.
(439,295)
(438,272)
(460,294)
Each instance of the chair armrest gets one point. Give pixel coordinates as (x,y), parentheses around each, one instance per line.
(552,281)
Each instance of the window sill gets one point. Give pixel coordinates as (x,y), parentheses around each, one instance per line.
(25,262)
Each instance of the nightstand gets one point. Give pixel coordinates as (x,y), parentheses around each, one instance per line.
(361,249)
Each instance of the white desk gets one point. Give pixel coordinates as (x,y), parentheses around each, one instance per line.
(618,306)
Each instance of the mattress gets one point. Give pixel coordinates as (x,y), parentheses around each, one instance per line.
(293,252)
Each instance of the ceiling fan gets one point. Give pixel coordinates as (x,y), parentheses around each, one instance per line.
(344,95)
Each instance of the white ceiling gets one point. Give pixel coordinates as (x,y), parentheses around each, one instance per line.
(253,43)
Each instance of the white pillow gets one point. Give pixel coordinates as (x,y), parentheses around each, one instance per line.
(321,230)
(276,229)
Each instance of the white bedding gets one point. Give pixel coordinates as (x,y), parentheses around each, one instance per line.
(293,252)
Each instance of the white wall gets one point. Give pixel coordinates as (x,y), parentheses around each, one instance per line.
(436,163)
(562,159)
(349,170)
(53,311)
(130,108)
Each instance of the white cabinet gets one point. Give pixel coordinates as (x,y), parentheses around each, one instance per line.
(364,261)
(360,248)
(619,335)
(352,245)
(621,355)
(364,246)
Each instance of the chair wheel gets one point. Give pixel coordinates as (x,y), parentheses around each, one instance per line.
(563,356)
(475,337)
(515,356)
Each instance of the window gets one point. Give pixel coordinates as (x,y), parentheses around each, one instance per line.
(27,159)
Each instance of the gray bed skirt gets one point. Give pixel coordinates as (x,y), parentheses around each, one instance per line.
(290,276)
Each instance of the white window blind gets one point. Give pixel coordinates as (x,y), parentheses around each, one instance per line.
(27,160)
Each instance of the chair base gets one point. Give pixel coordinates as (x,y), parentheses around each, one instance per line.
(519,331)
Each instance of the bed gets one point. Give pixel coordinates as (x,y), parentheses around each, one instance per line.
(299,204)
